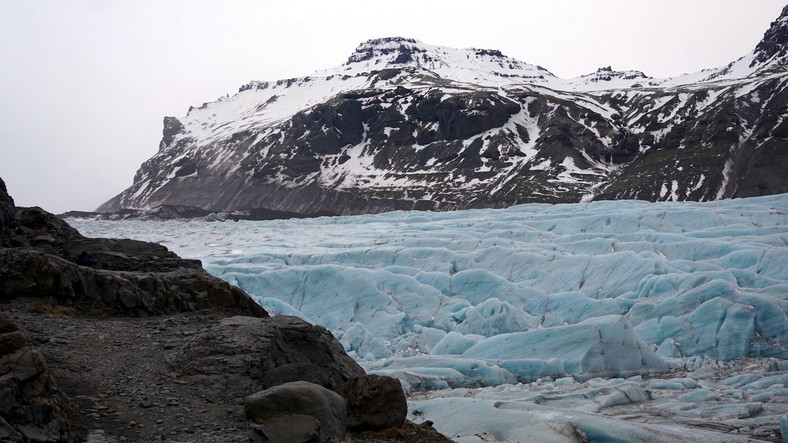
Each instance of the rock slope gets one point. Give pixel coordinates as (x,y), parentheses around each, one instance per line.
(141,345)
(407,125)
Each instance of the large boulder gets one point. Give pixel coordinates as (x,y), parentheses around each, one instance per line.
(29,273)
(32,408)
(298,399)
(239,355)
(375,403)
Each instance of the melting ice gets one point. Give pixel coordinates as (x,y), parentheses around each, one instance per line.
(607,320)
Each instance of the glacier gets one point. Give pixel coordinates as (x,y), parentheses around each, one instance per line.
(611,320)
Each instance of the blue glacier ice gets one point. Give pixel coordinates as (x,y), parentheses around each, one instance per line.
(483,298)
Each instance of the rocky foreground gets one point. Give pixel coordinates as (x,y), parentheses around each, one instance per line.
(138,344)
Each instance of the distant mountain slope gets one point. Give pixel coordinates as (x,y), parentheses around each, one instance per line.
(407,125)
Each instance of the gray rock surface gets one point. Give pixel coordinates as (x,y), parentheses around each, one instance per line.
(246,350)
(375,402)
(287,428)
(301,398)
(35,228)
(30,273)
(37,259)
(6,212)
(32,408)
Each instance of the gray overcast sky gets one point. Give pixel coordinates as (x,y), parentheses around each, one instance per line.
(84,85)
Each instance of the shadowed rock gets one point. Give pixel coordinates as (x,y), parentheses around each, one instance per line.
(247,350)
(37,260)
(374,403)
(301,398)
(32,408)
(289,428)
(28,273)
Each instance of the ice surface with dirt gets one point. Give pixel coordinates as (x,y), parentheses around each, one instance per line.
(619,320)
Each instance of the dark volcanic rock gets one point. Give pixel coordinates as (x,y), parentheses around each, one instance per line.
(248,351)
(37,229)
(290,372)
(32,408)
(129,255)
(37,260)
(287,428)
(110,362)
(775,40)
(374,403)
(5,199)
(297,399)
(6,213)
(29,273)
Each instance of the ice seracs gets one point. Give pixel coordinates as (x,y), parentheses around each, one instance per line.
(624,319)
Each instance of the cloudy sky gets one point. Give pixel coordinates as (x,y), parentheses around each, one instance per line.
(84,85)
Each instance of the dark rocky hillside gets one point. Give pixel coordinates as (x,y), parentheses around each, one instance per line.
(134,343)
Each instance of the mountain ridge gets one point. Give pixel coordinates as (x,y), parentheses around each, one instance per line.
(407,125)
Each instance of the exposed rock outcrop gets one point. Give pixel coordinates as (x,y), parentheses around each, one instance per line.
(261,353)
(34,228)
(129,277)
(32,408)
(29,273)
(6,212)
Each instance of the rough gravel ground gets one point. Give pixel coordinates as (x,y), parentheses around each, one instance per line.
(115,370)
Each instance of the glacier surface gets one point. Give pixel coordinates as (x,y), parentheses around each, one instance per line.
(544,319)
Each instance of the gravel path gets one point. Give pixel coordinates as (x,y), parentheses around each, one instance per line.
(115,370)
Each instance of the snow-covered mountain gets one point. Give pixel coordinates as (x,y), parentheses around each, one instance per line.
(407,125)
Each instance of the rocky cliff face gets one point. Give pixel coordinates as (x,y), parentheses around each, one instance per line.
(406,125)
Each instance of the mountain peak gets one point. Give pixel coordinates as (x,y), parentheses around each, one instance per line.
(775,40)
(399,50)
(408,125)
(484,66)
